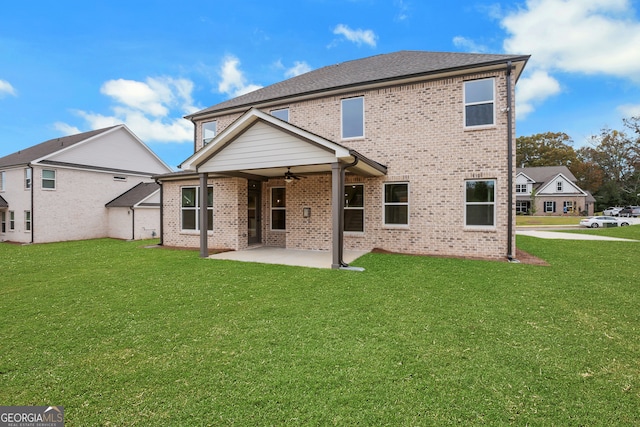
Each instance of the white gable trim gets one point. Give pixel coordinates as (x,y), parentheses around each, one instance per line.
(529,180)
(550,187)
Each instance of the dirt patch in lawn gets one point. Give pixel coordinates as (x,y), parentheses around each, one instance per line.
(522,256)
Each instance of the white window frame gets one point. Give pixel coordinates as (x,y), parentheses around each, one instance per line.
(3,177)
(27,220)
(205,140)
(482,203)
(569,205)
(407,203)
(549,206)
(342,118)
(559,186)
(12,220)
(277,208)
(281,113)
(3,222)
(483,102)
(49,179)
(28,178)
(195,208)
(354,208)
(521,188)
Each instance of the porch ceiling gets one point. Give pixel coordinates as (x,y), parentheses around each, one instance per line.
(260,145)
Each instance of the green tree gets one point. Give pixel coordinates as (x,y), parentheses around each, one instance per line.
(545,149)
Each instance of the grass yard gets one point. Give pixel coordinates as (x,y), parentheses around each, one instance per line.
(121,335)
(525,220)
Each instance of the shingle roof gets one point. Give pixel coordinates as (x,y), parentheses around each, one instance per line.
(3,203)
(542,174)
(374,69)
(134,196)
(34,152)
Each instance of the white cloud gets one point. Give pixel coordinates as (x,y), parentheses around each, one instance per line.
(583,36)
(152,109)
(299,67)
(533,89)
(233,82)
(358,36)
(468,45)
(66,129)
(403,10)
(629,110)
(7,89)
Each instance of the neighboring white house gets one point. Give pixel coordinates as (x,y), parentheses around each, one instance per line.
(550,190)
(57,190)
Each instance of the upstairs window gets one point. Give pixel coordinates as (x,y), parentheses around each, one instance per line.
(209,131)
(479,103)
(559,186)
(480,201)
(282,114)
(49,179)
(353,118)
(27,178)
(2,180)
(521,188)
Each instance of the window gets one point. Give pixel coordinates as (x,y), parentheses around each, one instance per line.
(2,180)
(282,114)
(190,210)
(353,118)
(396,203)
(27,220)
(521,188)
(479,103)
(522,206)
(278,208)
(120,178)
(559,186)
(3,222)
(209,131)
(27,178)
(549,206)
(12,220)
(48,179)
(480,204)
(568,206)
(354,207)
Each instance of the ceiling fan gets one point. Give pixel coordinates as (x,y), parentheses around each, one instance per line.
(290,176)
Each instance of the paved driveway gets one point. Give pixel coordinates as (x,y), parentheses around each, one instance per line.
(544,234)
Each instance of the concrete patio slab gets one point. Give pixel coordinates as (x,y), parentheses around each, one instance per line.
(295,257)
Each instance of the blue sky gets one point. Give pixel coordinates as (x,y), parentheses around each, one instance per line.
(71,66)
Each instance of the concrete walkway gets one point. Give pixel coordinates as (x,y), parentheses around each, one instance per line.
(300,258)
(567,236)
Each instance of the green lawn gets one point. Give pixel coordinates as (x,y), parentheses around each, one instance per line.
(121,335)
(524,220)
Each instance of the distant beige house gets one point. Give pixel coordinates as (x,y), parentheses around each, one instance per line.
(81,186)
(408,152)
(551,190)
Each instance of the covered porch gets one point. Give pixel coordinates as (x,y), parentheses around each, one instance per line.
(260,148)
(283,256)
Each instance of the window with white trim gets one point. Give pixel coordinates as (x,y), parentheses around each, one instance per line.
(354,207)
(559,186)
(27,178)
(396,203)
(2,180)
(278,208)
(12,220)
(190,208)
(282,114)
(521,188)
(352,117)
(3,222)
(568,206)
(549,206)
(479,102)
(480,203)
(209,131)
(27,220)
(48,179)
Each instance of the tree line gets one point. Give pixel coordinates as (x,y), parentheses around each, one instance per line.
(608,166)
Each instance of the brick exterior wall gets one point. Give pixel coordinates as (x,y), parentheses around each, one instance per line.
(415,130)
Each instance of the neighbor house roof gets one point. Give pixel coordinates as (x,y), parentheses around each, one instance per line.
(3,203)
(46,148)
(543,174)
(377,69)
(134,196)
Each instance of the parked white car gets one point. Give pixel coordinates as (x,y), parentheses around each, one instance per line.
(600,221)
(612,211)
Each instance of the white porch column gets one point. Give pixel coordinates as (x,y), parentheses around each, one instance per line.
(204,218)
(337,214)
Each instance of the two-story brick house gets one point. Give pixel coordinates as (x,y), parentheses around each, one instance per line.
(59,189)
(408,152)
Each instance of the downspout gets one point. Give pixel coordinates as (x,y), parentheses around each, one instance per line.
(133,223)
(32,213)
(161,212)
(338,216)
(510,256)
